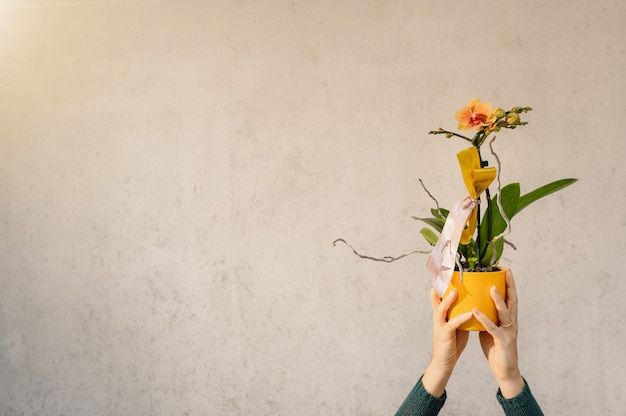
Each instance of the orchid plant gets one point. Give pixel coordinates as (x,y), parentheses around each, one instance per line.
(482,240)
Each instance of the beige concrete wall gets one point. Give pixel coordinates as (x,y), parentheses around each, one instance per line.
(172,175)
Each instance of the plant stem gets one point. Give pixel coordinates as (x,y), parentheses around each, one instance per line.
(478,230)
(488,215)
(483,163)
(450,133)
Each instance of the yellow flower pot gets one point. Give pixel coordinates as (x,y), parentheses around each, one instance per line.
(474,293)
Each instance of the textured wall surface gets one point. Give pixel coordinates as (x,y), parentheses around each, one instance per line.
(172,175)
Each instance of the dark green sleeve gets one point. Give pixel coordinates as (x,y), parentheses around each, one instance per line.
(420,403)
(524,404)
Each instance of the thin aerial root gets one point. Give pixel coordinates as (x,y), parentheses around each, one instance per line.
(507,230)
(386,259)
(432,197)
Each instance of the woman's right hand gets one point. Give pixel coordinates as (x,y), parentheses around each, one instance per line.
(448,343)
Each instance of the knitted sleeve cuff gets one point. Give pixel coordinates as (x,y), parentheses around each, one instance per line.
(524,404)
(421,403)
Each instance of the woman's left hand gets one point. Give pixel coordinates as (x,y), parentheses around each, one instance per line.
(499,343)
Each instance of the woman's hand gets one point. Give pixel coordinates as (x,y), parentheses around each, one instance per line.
(499,343)
(448,343)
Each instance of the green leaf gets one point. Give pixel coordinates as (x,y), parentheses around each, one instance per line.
(436,223)
(436,213)
(468,252)
(429,235)
(510,201)
(545,190)
(489,259)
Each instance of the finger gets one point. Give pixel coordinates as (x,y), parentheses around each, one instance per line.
(503,312)
(438,318)
(444,305)
(434,299)
(511,294)
(482,318)
(458,320)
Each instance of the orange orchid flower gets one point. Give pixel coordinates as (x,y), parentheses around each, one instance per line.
(476,115)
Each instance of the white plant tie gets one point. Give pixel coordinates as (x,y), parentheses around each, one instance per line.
(442,258)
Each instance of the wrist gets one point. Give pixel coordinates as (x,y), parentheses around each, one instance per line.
(435,379)
(511,386)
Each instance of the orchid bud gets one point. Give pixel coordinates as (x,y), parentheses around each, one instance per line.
(512,118)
